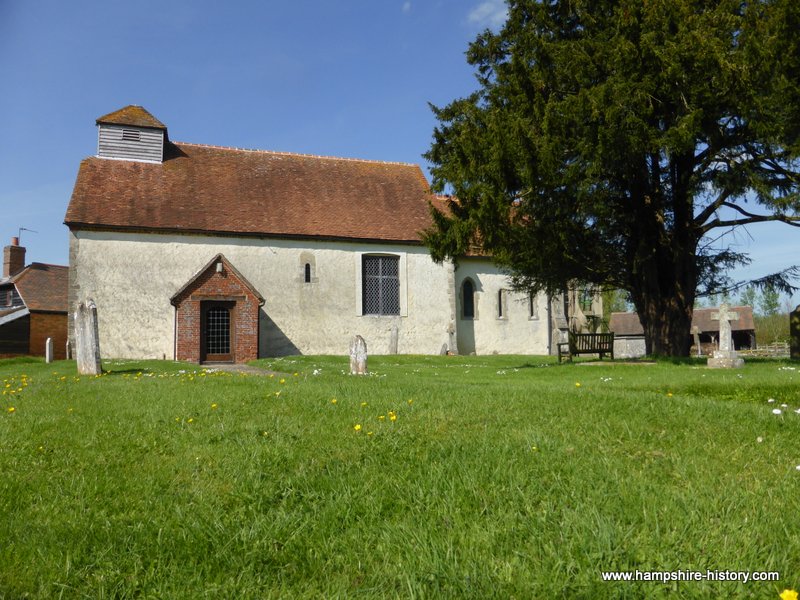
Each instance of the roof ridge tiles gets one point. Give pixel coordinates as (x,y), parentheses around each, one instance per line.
(298,154)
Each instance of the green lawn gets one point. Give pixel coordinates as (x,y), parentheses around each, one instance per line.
(433,477)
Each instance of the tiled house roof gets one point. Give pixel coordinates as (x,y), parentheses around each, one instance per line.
(42,287)
(132,115)
(209,189)
(627,323)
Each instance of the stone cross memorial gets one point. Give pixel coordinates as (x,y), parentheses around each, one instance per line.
(87,339)
(358,356)
(696,335)
(725,357)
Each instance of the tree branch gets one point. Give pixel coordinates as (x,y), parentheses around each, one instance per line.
(709,210)
(750,218)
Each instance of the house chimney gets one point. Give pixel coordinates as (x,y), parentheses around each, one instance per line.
(13,258)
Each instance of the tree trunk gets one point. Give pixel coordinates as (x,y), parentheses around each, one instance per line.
(665,301)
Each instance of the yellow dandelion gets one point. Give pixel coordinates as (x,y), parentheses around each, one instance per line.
(214,406)
(369,433)
(577,384)
(363,404)
(11,409)
(190,421)
(282,381)
(296,374)
(271,375)
(177,419)
(392,416)
(669,394)
(357,427)
(278,393)
(334,400)
(788,595)
(410,401)
(382,418)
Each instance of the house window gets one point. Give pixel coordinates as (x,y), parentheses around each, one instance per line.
(468,299)
(307,273)
(381,285)
(586,299)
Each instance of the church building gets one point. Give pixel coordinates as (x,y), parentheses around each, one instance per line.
(208,253)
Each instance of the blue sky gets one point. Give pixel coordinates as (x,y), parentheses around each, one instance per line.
(350,78)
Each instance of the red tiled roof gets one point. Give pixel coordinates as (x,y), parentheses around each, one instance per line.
(132,115)
(43,287)
(251,192)
(627,323)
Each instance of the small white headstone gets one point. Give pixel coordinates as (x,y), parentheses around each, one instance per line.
(48,350)
(87,339)
(358,356)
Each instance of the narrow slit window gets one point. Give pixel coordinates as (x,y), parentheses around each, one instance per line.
(307,273)
(533,309)
(501,296)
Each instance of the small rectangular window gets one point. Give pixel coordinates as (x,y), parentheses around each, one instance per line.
(501,301)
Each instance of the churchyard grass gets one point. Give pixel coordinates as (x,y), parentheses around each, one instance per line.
(433,477)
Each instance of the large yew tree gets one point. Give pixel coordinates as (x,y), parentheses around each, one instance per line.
(613,143)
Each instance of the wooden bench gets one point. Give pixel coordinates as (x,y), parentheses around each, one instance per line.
(587,343)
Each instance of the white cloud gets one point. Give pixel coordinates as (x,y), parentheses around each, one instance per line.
(491,13)
(406,7)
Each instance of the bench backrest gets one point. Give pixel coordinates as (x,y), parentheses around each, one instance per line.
(591,341)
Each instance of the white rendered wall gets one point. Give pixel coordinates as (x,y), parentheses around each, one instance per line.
(132,277)
(516,332)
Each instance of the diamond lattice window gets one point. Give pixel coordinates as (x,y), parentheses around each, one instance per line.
(381,285)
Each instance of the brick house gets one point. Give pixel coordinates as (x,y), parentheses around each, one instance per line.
(201,252)
(33,305)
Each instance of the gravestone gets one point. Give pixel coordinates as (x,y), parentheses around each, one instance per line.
(67,351)
(725,357)
(358,356)
(393,340)
(48,350)
(443,351)
(87,339)
(696,335)
(794,333)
